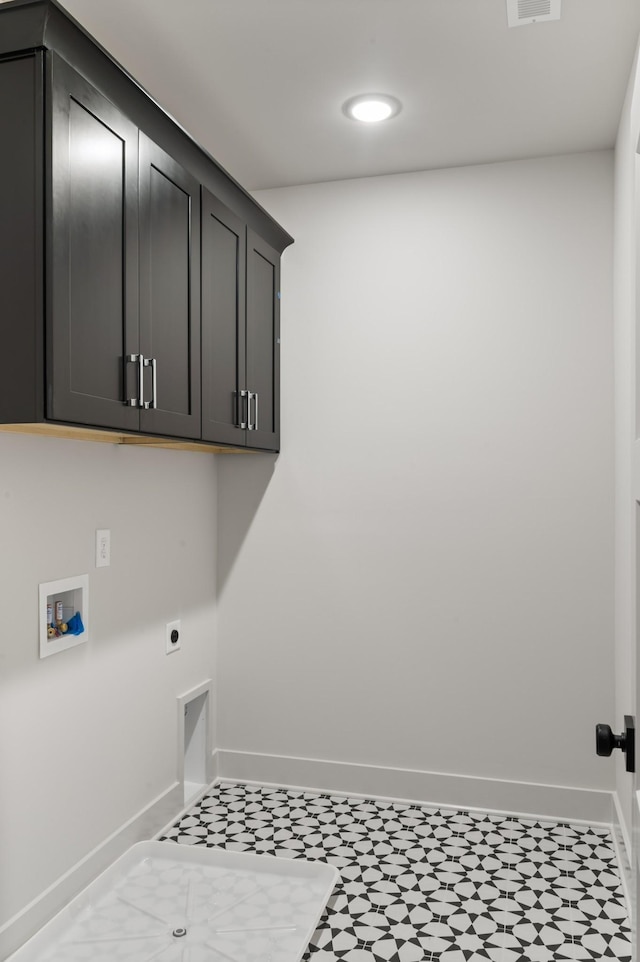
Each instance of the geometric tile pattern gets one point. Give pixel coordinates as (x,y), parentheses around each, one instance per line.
(426,884)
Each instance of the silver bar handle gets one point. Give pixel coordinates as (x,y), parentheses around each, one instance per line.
(240,422)
(153,403)
(136,402)
(141,380)
(250,426)
(255,423)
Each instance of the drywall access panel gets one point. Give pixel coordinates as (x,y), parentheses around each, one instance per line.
(101,321)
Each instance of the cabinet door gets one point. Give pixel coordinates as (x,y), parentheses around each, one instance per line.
(223,323)
(92,292)
(263,343)
(21,232)
(169,294)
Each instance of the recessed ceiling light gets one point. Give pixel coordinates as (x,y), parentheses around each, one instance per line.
(371,108)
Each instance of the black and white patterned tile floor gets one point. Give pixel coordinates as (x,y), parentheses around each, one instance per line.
(424,884)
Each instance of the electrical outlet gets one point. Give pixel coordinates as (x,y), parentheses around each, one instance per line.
(103,548)
(173,637)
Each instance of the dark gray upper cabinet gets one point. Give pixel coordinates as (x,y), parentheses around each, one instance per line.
(92,209)
(21,235)
(141,281)
(240,331)
(169,294)
(124,342)
(223,322)
(263,344)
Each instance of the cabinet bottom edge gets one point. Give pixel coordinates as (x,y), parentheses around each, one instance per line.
(106,436)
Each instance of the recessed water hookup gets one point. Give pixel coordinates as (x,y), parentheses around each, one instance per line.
(63,614)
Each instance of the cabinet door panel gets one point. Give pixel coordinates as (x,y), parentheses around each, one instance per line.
(92,317)
(263,341)
(21,247)
(170,292)
(223,328)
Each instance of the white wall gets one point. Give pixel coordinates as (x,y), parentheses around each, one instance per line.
(627,225)
(424,577)
(88,736)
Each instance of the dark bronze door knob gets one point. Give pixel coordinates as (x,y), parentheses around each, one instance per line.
(606,741)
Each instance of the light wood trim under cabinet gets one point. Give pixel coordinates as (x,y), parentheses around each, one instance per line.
(71,433)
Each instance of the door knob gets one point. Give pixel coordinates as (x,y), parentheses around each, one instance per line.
(606,741)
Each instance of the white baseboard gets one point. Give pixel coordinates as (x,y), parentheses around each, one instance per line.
(558,802)
(141,827)
(212,769)
(624,851)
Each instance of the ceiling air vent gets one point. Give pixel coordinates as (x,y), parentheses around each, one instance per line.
(520,12)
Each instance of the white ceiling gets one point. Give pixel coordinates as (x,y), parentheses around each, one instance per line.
(260,83)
